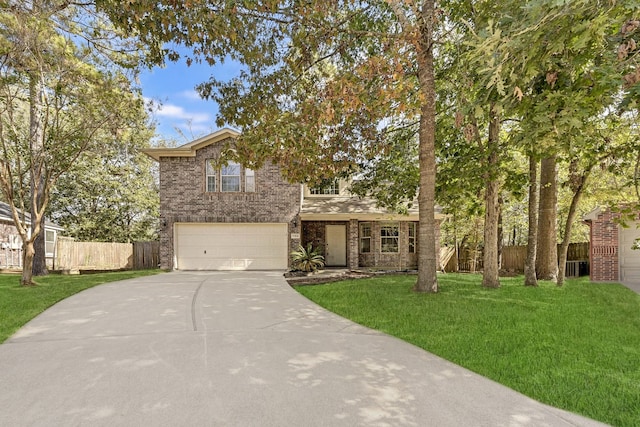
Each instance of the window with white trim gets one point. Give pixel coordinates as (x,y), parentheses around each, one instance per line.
(211,177)
(49,242)
(332,188)
(230,177)
(249,181)
(15,241)
(412,237)
(389,236)
(365,237)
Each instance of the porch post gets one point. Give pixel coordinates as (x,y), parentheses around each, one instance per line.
(353,244)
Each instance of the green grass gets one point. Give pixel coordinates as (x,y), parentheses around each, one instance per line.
(20,304)
(575,347)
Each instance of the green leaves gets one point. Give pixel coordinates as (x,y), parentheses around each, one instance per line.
(63,93)
(307,259)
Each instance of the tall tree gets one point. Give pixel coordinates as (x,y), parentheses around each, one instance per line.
(54,97)
(37,179)
(321,81)
(482,110)
(110,194)
(547,246)
(530,276)
(558,61)
(428,256)
(491,262)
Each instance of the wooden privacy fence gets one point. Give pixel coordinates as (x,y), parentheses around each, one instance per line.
(146,255)
(74,256)
(513,258)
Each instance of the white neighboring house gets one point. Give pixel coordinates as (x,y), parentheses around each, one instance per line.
(11,244)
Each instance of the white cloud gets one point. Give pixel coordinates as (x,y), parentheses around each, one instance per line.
(179,122)
(177,112)
(191,95)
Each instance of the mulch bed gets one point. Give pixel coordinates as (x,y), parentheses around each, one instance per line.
(300,278)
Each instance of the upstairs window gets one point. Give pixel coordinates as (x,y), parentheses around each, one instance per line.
(211,177)
(230,177)
(331,188)
(389,236)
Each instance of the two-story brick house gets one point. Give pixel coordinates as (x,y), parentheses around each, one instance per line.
(222,216)
(615,248)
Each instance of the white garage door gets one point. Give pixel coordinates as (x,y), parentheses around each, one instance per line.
(231,246)
(629,257)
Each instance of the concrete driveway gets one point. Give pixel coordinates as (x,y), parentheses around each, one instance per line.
(234,349)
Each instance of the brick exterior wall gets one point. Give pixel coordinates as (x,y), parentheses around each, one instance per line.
(183,198)
(603,256)
(352,250)
(314,232)
(401,260)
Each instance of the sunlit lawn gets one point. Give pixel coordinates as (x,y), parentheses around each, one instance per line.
(575,347)
(20,304)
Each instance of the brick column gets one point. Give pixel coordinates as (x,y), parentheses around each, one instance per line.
(353,244)
(604,255)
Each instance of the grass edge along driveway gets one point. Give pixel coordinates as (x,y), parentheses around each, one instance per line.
(19,304)
(576,347)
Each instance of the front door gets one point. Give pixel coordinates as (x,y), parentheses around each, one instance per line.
(335,252)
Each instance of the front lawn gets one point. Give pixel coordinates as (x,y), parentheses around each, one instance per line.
(20,304)
(575,347)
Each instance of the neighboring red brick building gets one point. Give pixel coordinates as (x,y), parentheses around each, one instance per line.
(615,249)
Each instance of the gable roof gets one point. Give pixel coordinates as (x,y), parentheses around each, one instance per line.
(189,150)
(593,214)
(5,216)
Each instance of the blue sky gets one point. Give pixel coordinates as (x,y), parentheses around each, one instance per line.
(180,113)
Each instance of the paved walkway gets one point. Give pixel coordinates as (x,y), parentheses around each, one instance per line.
(635,287)
(234,349)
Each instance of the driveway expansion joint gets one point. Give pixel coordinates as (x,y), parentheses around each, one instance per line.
(193,306)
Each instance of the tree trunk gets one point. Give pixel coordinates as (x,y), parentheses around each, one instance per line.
(476,246)
(27,263)
(427,254)
(547,249)
(39,267)
(500,232)
(490,274)
(456,267)
(578,190)
(530,263)
(37,177)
